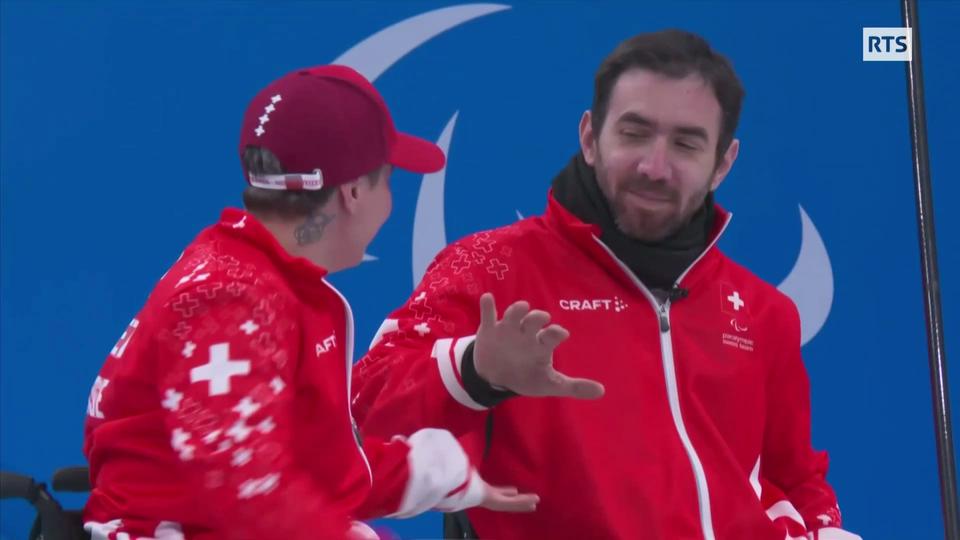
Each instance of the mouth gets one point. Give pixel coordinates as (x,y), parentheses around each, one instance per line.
(649,199)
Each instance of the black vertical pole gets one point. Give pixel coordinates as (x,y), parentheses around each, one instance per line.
(931,279)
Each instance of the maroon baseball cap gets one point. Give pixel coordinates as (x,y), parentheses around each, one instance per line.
(328,125)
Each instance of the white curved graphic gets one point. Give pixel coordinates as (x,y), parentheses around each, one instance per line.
(377,53)
(810,283)
(429,225)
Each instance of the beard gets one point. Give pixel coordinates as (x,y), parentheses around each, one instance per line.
(648,224)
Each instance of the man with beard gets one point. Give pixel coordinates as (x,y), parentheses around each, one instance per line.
(703,430)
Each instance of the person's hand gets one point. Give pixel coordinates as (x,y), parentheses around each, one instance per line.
(508,499)
(516,353)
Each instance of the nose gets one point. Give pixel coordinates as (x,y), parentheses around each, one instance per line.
(655,164)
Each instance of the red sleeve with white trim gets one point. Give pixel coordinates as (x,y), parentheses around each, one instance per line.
(427,471)
(227,391)
(789,461)
(412,376)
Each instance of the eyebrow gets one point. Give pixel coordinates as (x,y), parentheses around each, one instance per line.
(631,117)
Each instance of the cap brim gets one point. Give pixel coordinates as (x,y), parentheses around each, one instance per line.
(417,155)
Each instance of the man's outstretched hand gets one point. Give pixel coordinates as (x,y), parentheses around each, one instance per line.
(516,353)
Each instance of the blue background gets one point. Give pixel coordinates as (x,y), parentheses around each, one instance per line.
(118,130)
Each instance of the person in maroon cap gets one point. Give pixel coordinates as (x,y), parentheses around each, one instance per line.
(223,410)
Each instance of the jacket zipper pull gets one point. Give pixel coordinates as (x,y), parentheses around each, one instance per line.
(664,320)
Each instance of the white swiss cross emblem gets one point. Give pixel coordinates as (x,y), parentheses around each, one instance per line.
(734,332)
(219,370)
(733,302)
(736,300)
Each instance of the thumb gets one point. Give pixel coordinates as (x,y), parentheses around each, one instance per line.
(576,388)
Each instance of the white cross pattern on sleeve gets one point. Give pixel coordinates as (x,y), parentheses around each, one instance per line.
(266,426)
(249,327)
(192,276)
(239,431)
(172,400)
(422,329)
(246,408)
(179,443)
(219,370)
(241,457)
(258,486)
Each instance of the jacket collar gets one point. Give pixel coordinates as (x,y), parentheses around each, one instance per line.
(244,226)
(587,237)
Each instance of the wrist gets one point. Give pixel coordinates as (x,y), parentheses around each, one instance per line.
(480,388)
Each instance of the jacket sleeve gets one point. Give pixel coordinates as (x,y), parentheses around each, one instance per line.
(427,471)
(789,461)
(419,370)
(226,359)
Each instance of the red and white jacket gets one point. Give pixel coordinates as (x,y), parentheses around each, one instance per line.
(223,410)
(704,431)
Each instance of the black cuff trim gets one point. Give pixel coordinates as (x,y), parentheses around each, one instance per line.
(476,386)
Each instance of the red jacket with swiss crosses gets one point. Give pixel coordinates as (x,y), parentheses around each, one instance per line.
(223,410)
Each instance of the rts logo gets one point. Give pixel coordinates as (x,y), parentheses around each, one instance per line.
(887,44)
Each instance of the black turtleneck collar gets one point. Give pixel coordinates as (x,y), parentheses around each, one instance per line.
(658,265)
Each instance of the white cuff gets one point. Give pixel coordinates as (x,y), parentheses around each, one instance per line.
(449,355)
(437,468)
(466,497)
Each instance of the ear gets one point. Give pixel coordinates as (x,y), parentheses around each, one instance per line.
(350,196)
(588,143)
(726,163)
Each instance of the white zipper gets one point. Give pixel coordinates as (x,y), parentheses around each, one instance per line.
(669,371)
(670,378)
(349,357)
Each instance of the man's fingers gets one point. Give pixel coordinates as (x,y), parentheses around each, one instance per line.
(524,502)
(534,321)
(515,313)
(488,311)
(506,490)
(574,387)
(510,500)
(552,336)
